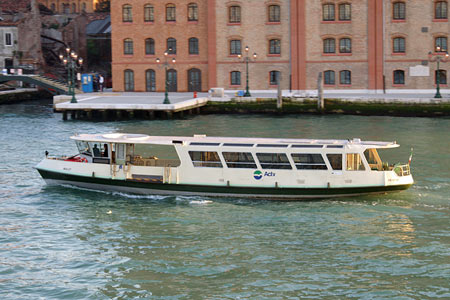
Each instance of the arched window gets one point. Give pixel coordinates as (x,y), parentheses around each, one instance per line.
(275,46)
(129,80)
(345,45)
(192,12)
(441,10)
(194,80)
(74,8)
(275,77)
(329,45)
(83,6)
(172,46)
(441,75)
(128,46)
(399,45)
(345,12)
(149,46)
(170,12)
(66,9)
(399,10)
(235,78)
(345,77)
(234,14)
(127,13)
(329,77)
(149,13)
(53,7)
(440,44)
(399,77)
(328,12)
(193,45)
(150,80)
(235,47)
(274,13)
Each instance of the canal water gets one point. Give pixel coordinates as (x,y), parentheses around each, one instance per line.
(64,243)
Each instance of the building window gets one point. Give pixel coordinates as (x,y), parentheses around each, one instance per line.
(170,13)
(345,45)
(234,14)
(74,8)
(329,46)
(8,39)
(128,46)
(235,78)
(150,80)
(329,77)
(328,12)
(345,77)
(149,47)
(274,13)
(274,47)
(399,77)
(399,45)
(345,12)
(172,46)
(441,44)
(442,75)
(275,77)
(66,8)
(193,46)
(127,13)
(441,10)
(192,12)
(399,10)
(235,47)
(83,6)
(149,13)
(129,80)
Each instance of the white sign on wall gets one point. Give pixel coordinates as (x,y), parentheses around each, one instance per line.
(419,70)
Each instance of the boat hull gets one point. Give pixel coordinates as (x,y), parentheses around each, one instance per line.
(156,188)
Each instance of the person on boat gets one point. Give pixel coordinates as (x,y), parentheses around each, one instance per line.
(105,151)
(96,151)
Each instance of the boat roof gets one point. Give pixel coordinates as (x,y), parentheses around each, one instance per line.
(203,140)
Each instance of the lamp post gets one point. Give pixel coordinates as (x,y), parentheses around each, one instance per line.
(166,65)
(438,57)
(72,62)
(247,59)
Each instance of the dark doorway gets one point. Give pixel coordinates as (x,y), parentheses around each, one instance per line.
(9,64)
(172,80)
(194,80)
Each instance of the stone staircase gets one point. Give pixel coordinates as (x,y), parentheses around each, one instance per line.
(53,85)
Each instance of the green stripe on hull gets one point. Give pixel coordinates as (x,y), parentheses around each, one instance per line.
(250,191)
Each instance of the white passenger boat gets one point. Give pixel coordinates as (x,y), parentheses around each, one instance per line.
(278,169)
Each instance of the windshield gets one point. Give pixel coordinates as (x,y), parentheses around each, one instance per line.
(83,148)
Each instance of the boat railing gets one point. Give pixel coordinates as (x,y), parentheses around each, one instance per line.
(402,170)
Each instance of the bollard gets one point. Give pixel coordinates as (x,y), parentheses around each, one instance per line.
(195,94)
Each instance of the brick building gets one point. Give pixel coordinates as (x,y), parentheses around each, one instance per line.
(363,45)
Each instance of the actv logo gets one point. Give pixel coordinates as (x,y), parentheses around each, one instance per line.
(258,175)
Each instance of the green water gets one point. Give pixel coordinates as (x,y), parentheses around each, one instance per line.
(64,243)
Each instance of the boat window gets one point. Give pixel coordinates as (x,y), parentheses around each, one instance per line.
(335,161)
(274,161)
(83,148)
(120,151)
(237,145)
(96,150)
(309,162)
(205,159)
(335,146)
(307,146)
(204,144)
(373,159)
(272,145)
(354,162)
(242,160)
(150,155)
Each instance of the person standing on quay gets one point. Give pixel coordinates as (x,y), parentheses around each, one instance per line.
(100,81)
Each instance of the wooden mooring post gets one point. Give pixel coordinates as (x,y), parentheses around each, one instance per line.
(320,102)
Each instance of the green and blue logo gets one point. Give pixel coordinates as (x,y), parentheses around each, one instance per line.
(257,175)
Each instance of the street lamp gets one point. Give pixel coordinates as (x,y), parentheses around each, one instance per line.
(247,59)
(166,65)
(438,57)
(72,62)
